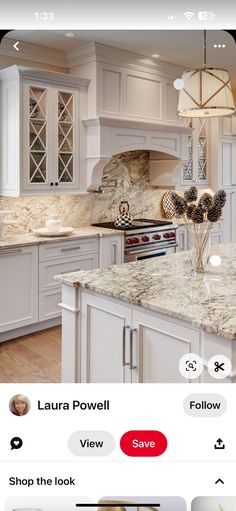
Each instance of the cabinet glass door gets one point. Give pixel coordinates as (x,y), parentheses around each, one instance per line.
(195,168)
(65,113)
(188,167)
(37,109)
(202,147)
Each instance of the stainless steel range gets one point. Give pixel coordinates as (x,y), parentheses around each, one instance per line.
(146,238)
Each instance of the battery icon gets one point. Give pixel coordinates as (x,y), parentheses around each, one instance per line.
(206,15)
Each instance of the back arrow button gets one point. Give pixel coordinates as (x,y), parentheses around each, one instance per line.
(16,46)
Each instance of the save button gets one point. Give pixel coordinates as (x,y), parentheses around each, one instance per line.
(143,443)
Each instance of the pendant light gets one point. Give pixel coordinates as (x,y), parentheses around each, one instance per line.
(206,91)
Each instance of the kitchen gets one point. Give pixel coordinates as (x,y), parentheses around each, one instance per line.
(123,148)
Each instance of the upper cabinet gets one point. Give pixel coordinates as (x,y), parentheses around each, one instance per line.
(127,85)
(222,156)
(195,170)
(43,140)
(136,94)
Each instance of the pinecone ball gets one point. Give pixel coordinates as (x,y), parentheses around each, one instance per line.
(206,201)
(214,213)
(189,210)
(180,206)
(197,215)
(220,198)
(191,194)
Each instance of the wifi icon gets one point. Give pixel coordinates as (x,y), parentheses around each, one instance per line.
(189,15)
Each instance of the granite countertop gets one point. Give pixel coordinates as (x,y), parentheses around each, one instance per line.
(32,239)
(165,285)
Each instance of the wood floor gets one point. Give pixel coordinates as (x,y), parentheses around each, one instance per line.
(34,358)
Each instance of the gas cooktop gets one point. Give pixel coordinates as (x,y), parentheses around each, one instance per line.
(138,223)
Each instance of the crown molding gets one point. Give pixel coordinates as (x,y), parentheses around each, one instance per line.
(101,53)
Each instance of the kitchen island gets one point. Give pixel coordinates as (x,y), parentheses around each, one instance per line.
(133,322)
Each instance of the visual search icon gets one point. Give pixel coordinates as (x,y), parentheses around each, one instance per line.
(191,366)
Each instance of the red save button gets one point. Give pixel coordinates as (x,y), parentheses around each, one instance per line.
(143,443)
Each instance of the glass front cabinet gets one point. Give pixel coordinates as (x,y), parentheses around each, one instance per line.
(195,171)
(43,145)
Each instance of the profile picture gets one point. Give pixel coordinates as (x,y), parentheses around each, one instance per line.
(19,405)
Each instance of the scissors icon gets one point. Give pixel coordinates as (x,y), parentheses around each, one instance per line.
(219,367)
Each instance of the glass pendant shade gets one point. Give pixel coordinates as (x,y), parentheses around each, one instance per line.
(206,92)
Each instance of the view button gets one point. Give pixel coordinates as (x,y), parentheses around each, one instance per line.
(143,443)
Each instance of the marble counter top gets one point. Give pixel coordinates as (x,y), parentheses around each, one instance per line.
(165,285)
(32,239)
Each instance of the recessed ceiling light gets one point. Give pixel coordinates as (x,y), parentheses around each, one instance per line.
(69,34)
(156,55)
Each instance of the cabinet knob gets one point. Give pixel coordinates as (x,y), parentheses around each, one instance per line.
(51,184)
(56,184)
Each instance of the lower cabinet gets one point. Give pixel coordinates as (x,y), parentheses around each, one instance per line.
(105,346)
(111,250)
(160,344)
(28,292)
(124,345)
(216,235)
(229,215)
(182,238)
(49,290)
(19,287)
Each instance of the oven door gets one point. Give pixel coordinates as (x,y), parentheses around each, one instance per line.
(138,255)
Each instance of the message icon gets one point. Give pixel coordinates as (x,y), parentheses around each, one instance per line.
(16,443)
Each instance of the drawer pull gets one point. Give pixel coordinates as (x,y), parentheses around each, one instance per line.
(69,249)
(71,271)
(11,251)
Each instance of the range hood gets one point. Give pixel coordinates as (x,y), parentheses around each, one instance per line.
(108,137)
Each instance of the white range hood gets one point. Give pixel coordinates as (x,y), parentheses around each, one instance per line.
(107,137)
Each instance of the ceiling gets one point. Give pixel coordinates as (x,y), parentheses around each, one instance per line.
(183,47)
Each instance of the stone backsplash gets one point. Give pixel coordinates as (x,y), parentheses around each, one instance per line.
(131,170)
(132,173)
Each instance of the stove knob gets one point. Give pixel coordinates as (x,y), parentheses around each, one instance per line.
(166,235)
(156,237)
(173,235)
(135,240)
(129,241)
(145,238)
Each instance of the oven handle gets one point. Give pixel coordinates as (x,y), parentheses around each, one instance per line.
(135,252)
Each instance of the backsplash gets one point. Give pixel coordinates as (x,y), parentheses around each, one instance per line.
(132,173)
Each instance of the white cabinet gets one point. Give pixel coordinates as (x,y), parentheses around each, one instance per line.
(222,154)
(159,346)
(182,238)
(111,250)
(19,287)
(42,137)
(229,215)
(195,170)
(122,345)
(105,348)
(63,257)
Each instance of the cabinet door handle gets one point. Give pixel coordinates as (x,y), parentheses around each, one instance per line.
(124,363)
(113,253)
(69,249)
(11,251)
(131,364)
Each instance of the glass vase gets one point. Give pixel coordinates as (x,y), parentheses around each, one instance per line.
(199,254)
